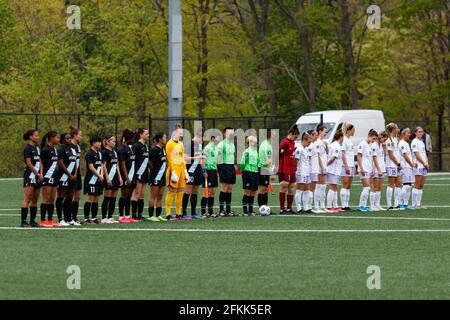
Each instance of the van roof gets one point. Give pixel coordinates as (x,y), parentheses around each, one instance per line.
(329,115)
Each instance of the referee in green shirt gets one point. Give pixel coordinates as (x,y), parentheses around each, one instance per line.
(250,174)
(265,154)
(227,172)
(210,152)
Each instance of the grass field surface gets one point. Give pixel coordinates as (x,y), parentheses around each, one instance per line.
(322,256)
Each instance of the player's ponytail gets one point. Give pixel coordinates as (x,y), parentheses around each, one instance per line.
(390,129)
(105,140)
(338,135)
(127,135)
(158,137)
(46,138)
(346,127)
(27,135)
(138,133)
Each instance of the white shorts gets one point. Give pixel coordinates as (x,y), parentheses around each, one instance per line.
(408,176)
(332,178)
(420,172)
(314,177)
(367,175)
(392,172)
(302,179)
(351,174)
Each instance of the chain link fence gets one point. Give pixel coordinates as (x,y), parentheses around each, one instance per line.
(13,125)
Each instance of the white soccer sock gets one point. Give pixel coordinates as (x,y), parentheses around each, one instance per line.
(405,194)
(305,200)
(310,200)
(378,199)
(298,199)
(364,195)
(419,198)
(372,196)
(330,198)
(397,196)
(335,200)
(322,198)
(347,198)
(317,193)
(389,191)
(415,195)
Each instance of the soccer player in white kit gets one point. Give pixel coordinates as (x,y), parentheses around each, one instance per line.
(314,154)
(334,167)
(408,165)
(321,187)
(302,175)
(379,154)
(419,156)
(393,167)
(365,168)
(348,165)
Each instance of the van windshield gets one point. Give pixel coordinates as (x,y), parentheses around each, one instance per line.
(303,127)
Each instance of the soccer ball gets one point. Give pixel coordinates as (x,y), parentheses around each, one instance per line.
(264,210)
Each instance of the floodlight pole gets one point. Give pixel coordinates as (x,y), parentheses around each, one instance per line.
(175,64)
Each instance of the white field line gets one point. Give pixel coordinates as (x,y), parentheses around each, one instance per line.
(239,230)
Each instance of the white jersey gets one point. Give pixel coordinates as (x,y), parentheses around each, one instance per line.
(349,149)
(392,145)
(404,149)
(335,150)
(418,146)
(322,151)
(378,151)
(365,150)
(303,163)
(313,151)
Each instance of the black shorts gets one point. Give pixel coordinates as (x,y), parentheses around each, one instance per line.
(263,180)
(93,189)
(227,173)
(196,178)
(27,182)
(67,184)
(115,185)
(157,183)
(79,183)
(213,179)
(50,182)
(250,180)
(143,178)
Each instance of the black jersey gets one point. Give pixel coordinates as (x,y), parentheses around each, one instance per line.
(141,161)
(34,153)
(109,157)
(69,157)
(95,158)
(77,150)
(125,153)
(49,158)
(158,159)
(194,165)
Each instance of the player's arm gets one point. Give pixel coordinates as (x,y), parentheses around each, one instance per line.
(408,160)
(219,152)
(243,161)
(123,166)
(360,162)
(105,170)
(375,162)
(418,156)
(344,160)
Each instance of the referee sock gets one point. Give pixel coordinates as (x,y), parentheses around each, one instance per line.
(121,206)
(87,210)
(194,198)
(185,202)
(74,210)
(67,206)
(50,210)
(112,207)
(33,214)
(24,214)
(211,205)
(94,210)
(251,200)
(151,210)
(203,204)
(245,203)
(43,211)
(134,208)
(105,205)
(228,202)
(59,208)
(221,201)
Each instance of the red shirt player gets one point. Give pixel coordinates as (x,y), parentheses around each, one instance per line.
(286,169)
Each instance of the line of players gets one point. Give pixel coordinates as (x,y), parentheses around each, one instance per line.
(315,164)
(55,173)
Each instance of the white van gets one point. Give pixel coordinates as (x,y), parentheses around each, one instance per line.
(363,120)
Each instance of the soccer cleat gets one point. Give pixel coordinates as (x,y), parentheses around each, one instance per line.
(111,221)
(205,216)
(63,224)
(406,207)
(178,217)
(316,211)
(75,223)
(186,217)
(153,219)
(52,223)
(104,221)
(289,211)
(25,224)
(133,220)
(87,221)
(124,219)
(362,209)
(400,207)
(347,209)
(309,211)
(34,225)
(339,210)
(373,208)
(195,216)
(45,224)
(161,218)
(329,210)
(381,208)
(95,221)
(222,214)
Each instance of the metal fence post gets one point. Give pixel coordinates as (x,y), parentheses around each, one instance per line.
(440,142)
(36,121)
(150,123)
(78,120)
(249,123)
(116,120)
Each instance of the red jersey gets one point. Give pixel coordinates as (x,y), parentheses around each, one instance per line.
(288,163)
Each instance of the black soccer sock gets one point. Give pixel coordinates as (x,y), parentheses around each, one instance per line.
(222,197)
(50,210)
(59,208)
(158,211)
(194,198)
(112,207)
(67,207)
(251,200)
(87,210)
(260,199)
(134,208)
(33,214)
(203,204)
(228,202)
(150,211)
(185,202)
(140,207)
(43,211)
(245,203)
(24,214)
(266,199)
(211,205)
(74,211)
(94,210)
(121,206)
(105,206)
(127,206)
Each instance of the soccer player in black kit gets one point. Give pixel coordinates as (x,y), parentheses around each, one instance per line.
(49,159)
(127,171)
(66,178)
(157,178)
(113,180)
(32,178)
(93,181)
(141,152)
(77,136)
